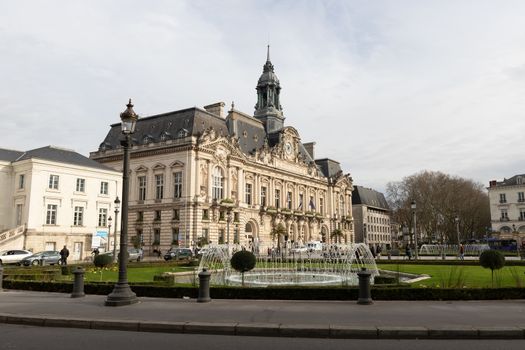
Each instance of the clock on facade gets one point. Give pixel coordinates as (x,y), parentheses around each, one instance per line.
(288,148)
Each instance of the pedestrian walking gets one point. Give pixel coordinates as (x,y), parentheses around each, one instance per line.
(461,252)
(64,253)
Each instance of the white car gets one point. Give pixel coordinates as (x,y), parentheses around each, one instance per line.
(13,256)
(299,249)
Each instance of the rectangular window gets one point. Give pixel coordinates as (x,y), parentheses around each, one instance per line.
(21,181)
(248,194)
(321,205)
(104,188)
(175,236)
(300,207)
(236,238)
(206,234)
(176,214)
(102,217)
(502,198)
(140,216)
(522,214)
(51,215)
(277,199)
(81,185)
(156,236)
(311,204)
(205,215)
(78,216)
(521,197)
(221,236)
(157,215)
(177,183)
(53,182)
(159,186)
(289,200)
(142,188)
(504,215)
(263,196)
(19,210)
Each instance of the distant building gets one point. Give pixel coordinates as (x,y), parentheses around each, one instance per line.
(371,217)
(507,208)
(53,197)
(203,175)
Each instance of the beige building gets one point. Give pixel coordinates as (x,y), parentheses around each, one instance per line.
(205,175)
(507,208)
(371,218)
(54,197)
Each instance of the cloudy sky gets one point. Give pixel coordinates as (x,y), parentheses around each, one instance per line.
(388,88)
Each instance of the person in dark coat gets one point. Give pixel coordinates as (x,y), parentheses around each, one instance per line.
(64,253)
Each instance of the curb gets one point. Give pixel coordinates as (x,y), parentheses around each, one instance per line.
(272,329)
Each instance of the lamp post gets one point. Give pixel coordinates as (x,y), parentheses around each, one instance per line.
(109,230)
(413,206)
(122,293)
(117,207)
(457,228)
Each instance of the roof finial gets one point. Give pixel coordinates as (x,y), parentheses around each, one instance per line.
(268,54)
(233,105)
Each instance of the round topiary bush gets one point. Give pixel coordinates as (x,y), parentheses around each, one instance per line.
(243,261)
(102,260)
(493,260)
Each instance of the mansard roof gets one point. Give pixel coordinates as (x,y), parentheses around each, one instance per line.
(328,167)
(513,181)
(9,155)
(60,155)
(369,197)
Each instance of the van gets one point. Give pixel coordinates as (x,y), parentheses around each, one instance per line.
(314,246)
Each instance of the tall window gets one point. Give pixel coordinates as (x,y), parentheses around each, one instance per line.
(301,197)
(277,198)
(248,194)
(51,215)
(102,217)
(175,236)
(522,214)
(142,188)
(158,215)
(156,236)
(521,197)
(177,183)
(504,214)
(341,206)
(176,214)
(21,181)
(311,204)
(159,186)
(104,187)
(289,200)
(53,182)
(218,182)
(78,216)
(206,234)
(263,196)
(321,205)
(19,209)
(502,198)
(81,185)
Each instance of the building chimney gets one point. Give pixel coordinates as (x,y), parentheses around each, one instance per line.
(492,183)
(216,108)
(309,146)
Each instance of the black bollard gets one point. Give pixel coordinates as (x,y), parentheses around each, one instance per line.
(204,286)
(78,284)
(1,276)
(365,297)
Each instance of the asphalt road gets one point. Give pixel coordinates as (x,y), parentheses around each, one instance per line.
(17,337)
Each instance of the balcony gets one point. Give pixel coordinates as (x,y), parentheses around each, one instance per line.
(502,201)
(504,219)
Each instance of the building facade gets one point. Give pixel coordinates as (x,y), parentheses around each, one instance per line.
(507,208)
(371,218)
(55,197)
(203,175)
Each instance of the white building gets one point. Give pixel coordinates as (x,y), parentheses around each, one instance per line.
(371,217)
(53,197)
(507,208)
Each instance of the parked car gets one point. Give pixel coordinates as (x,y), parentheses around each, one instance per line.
(299,249)
(13,256)
(134,254)
(50,257)
(178,254)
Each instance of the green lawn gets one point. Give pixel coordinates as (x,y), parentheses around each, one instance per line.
(467,276)
(135,274)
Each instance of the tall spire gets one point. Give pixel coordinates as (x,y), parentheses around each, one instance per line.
(268,54)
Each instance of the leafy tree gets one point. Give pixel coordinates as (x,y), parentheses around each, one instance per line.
(277,232)
(243,261)
(337,234)
(493,260)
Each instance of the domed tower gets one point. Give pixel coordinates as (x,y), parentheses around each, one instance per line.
(268,108)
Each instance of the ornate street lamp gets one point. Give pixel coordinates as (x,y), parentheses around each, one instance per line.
(117,207)
(413,206)
(122,293)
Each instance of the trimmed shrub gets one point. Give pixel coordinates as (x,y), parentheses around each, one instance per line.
(103,260)
(243,261)
(493,260)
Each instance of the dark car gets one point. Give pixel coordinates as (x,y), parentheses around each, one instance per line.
(50,257)
(178,254)
(134,254)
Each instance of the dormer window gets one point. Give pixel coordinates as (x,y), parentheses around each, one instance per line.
(182,133)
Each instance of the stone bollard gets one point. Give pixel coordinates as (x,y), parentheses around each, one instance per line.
(78,284)
(1,276)
(365,297)
(204,286)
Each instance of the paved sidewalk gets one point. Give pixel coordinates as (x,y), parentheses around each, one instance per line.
(334,319)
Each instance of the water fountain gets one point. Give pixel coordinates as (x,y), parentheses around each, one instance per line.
(333,264)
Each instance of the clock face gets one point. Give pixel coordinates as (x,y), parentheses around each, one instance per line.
(288,148)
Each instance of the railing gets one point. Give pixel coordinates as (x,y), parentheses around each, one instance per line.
(12,233)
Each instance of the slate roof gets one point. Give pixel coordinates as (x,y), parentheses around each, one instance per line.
(61,155)
(328,167)
(513,181)
(9,155)
(369,197)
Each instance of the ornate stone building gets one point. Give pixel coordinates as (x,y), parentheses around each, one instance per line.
(198,175)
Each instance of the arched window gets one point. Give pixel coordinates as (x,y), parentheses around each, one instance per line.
(217,183)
